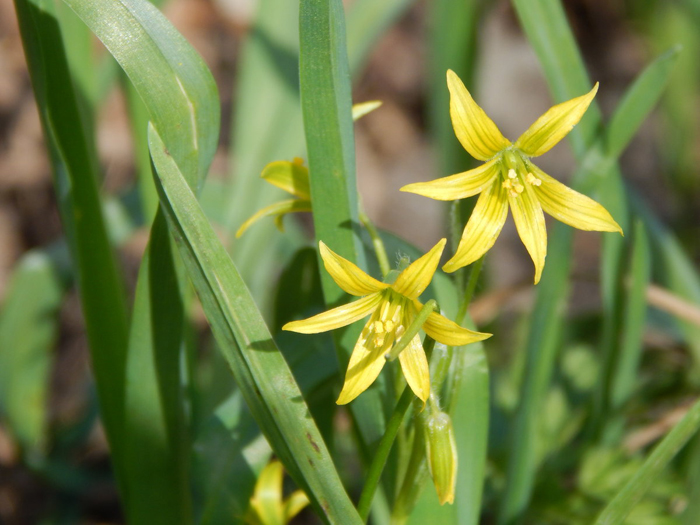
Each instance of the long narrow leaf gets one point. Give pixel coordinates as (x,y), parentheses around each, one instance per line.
(622,504)
(75,171)
(260,370)
(327,109)
(181,99)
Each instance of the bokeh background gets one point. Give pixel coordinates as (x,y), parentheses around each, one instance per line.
(394,147)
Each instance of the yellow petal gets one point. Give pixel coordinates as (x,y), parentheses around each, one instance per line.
(347,275)
(366,362)
(529,221)
(450,333)
(363,108)
(279,208)
(415,368)
(554,125)
(458,186)
(294,504)
(337,317)
(572,207)
(416,278)
(482,228)
(266,503)
(474,129)
(292,177)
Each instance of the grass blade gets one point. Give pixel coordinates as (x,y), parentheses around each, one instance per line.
(625,373)
(617,510)
(75,171)
(260,370)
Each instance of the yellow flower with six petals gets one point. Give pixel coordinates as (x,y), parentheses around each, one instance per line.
(509,178)
(392,307)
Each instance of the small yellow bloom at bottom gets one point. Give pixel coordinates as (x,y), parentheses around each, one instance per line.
(267,506)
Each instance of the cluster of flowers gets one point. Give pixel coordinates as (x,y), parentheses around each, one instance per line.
(507,179)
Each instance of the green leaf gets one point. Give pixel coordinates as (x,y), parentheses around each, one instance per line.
(624,380)
(622,504)
(76,179)
(267,124)
(260,370)
(181,99)
(638,101)
(327,108)
(28,328)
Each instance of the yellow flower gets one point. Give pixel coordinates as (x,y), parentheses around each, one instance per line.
(293,177)
(267,506)
(508,177)
(392,307)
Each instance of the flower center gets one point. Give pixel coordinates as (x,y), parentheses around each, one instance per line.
(387,324)
(516,174)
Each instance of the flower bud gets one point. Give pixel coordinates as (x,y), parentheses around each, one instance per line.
(442,455)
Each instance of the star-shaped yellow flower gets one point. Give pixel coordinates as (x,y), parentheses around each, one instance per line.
(392,307)
(508,177)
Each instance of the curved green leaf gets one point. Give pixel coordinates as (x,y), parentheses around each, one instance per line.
(260,370)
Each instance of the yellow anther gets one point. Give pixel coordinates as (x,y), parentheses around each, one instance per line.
(378,327)
(507,184)
(519,187)
(533,180)
(379,340)
(389,326)
(512,174)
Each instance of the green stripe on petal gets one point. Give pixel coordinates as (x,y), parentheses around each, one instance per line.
(482,228)
(348,275)
(572,207)
(416,278)
(459,186)
(474,129)
(554,125)
(415,368)
(292,177)
(366,362)
(279,209)
(337,317)
(529,221)
(450,333)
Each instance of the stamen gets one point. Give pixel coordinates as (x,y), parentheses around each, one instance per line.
(533,180)
(512,174)
(507,184)
(378,327)
(379,339)
(519,187)
(389,326)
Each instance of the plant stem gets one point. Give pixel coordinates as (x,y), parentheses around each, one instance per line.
(377,242)
(384,448)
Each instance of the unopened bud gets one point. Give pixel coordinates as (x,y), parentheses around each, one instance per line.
(442,455)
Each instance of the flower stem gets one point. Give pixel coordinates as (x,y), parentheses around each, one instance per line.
(392,428)
(469,290)
(377,242)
